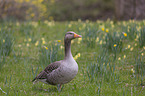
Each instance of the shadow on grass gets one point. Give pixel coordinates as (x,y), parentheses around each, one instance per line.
(51,89)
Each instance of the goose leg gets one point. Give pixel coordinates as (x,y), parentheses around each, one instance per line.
(59,87)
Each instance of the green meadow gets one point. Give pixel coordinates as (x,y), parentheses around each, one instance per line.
(110,56)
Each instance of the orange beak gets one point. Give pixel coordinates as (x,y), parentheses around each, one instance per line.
(77,36)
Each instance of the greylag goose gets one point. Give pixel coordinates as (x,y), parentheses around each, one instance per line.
(63,71)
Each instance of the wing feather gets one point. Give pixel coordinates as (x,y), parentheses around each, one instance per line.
(43,74)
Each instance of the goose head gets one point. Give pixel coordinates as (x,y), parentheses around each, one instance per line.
(71,35)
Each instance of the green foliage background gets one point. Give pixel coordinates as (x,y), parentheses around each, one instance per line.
(56,9)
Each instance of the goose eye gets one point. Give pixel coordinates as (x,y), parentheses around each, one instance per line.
(71,33)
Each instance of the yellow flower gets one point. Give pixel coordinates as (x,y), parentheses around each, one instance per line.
(46,47)
(132,70)
(107,30)
(135,44)
(43,42)
(27,44)
(142,54)
(29,39)
(42,39)
(131,48)
(61,47)
(72,41)
(79,40)
(17,23)
(144,47)
(103,29)
(69,25)
(115,45)
(87,21)
(128,46)
(20,45)
(79,54)
(101,42)
(119,58)
(124,34)
(80,28)
(32,14)
(3,40)
(97,39)
(76,57)
(58,40)
(37,42)
(124,56)
(112,26)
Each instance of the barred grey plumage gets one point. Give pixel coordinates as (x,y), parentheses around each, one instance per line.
(60,72)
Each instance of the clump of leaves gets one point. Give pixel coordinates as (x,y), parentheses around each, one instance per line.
(50,54)
(142,37)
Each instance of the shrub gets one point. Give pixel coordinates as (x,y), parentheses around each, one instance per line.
(101,69)
(142,37)
(6,44)
(50,54)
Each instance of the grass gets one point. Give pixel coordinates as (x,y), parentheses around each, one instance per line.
(110,63)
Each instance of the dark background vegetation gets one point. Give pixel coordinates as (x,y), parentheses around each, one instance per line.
(62,10)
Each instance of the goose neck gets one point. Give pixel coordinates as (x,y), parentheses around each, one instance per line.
(67,49)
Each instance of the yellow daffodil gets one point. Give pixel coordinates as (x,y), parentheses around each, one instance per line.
(79,40)
(144,47)
(27,45)
(119,58)
(124,56)
(107,30)
(72,41)
(77,56)
(69,25)
(46,47)
(142,54)
(101,42)
(17,23)
(132,70)
(59,41)
(3,40)
(131,48)
(37,42)
(61,47)
(87,21)
(128,46)
(97,40)
(124,34)
(29,39)
(20,45)
(102,29)
(42,39)
(112,26)
(115,45)
(43,42)
(80,28)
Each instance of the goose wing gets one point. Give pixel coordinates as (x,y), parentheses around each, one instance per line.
(43,74)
